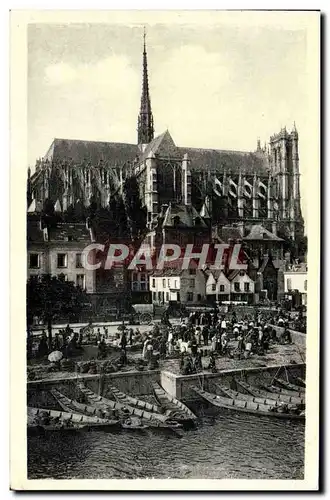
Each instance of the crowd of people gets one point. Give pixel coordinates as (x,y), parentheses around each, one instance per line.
(220,334)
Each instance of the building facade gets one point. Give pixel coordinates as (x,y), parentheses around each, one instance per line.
(174,285)
(237,286)
(296,282)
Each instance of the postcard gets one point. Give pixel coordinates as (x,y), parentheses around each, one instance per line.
(165,228)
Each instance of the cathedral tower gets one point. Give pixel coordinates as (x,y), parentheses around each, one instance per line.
(285,170)
(145,119)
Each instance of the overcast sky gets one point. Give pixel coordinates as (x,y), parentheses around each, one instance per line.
(211,86)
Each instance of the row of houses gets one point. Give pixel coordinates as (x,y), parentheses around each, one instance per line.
(57,248)
(199,285)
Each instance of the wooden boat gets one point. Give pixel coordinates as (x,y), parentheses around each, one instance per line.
(70,405)
(288,385)
(246,406)
(280,390)
(301,382)
(65,421)
(178,410)
(155,420)
(229,393)
(254,391)
(121,397)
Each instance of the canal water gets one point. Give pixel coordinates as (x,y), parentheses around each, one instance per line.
(224,446)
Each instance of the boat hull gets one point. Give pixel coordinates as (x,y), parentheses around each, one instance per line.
(281,390)
(254,391)
(245,406)
(172,405)
(153,420)
(229,393)
(287,385)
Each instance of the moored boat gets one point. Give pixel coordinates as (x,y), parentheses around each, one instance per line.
(41,420)
(178,410)
(281,390)
(229,393)
(248,406)
(254,391)
(288,385)
(153,420)
(70,405)
(123,398)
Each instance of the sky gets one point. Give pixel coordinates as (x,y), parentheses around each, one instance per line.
(217,86)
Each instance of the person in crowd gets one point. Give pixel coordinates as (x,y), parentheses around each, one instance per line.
(211,365)
(57,343)
(193,346)
(149,353)
(206,334)
(130,336)
(80,337)
(224,342)
(68,330)
(105,330)
(240,345)
(214,342)
(101,348)
(198,335)
(165,320)
(123,341)
(123,357)
(145,345)
(274,336)
(162,347)
(198,362)
(286,336)
(43,347)
(223,324)
(248,344)
(169,341)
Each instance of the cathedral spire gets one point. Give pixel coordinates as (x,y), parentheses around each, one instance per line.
(145,120)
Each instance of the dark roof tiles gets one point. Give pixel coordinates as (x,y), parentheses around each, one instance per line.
(92,151)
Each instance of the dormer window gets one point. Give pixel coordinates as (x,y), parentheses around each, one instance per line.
(198,221)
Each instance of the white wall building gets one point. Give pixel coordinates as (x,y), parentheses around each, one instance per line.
(183,286)
(295,279)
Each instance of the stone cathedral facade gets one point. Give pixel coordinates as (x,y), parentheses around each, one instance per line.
(227,187)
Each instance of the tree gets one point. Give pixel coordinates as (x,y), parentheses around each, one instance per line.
(49,297)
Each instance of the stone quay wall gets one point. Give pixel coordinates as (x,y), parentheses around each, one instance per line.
(133,383)
(298,338)
(139,383)
(181,386)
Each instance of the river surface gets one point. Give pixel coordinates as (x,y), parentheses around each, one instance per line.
(225,445)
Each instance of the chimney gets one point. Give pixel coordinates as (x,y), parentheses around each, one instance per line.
(274,228)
